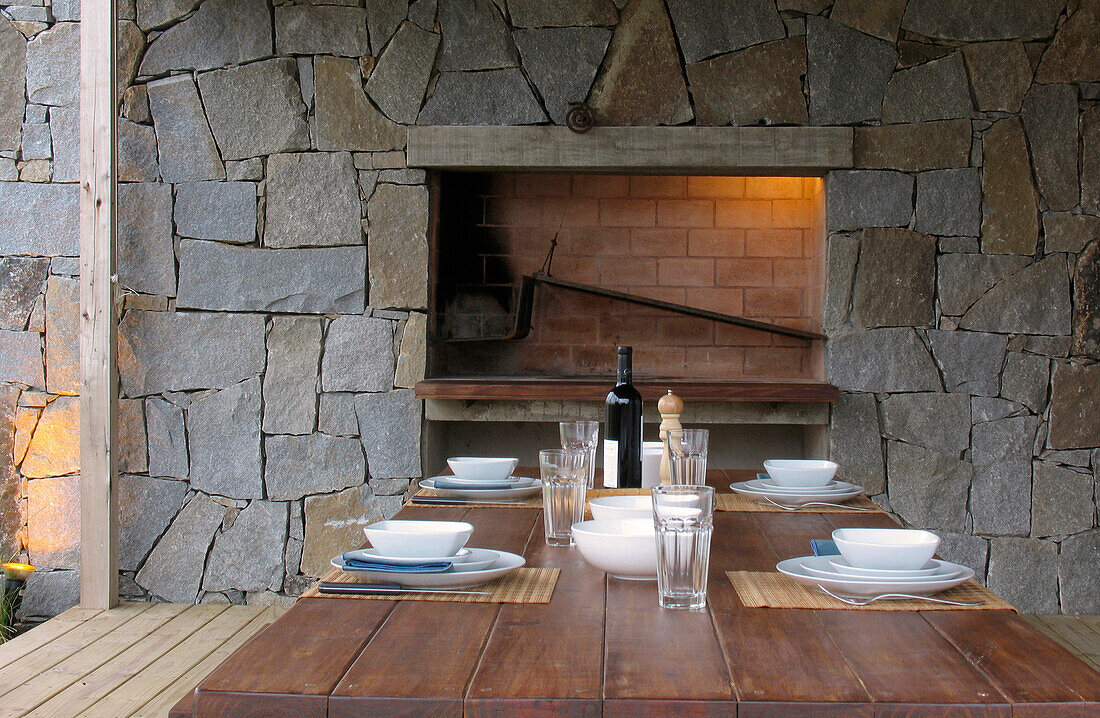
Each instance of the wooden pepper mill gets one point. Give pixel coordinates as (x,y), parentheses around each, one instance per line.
(670,406)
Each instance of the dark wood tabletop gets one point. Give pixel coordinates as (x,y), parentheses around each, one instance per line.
(603,647)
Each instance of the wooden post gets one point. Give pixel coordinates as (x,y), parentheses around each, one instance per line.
(98,321)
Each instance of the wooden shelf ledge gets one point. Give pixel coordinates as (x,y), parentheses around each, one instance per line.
(651,388)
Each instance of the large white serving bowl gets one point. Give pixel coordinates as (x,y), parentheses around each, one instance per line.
(484,468)
(800,472)
(418,539)
(624,548)
(898,549)
(622,507)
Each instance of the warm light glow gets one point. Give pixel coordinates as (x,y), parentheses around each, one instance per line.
(17,571)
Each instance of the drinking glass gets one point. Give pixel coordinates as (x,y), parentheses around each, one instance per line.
(582,435)
(683,519)
(687,456)
(564,489)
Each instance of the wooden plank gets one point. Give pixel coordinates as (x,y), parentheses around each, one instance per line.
(1025,664)
(561,642)
(178,697)
(654,150)
(98,320)
(389,676)
(26,667)
(639,675)
(91,655)
(1071,632)
(43,633)
(81,695)
(135,691)
(651,389)
(290,668)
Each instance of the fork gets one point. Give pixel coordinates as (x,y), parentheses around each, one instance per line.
(864,601)
(814,503)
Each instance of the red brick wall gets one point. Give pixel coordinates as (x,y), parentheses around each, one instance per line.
(746,246)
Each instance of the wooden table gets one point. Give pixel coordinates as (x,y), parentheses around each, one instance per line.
(603,647)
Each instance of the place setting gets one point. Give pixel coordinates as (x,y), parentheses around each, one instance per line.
(480,481)
(794,485)
(873,568)
(429,561)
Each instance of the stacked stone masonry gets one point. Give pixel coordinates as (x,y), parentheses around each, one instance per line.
(273,258)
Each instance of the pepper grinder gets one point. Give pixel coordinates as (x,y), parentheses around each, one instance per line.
(670,406)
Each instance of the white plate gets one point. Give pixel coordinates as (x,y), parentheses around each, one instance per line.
(505,564)
(793,568)
(372,554)
(794,499)
(821,566)
(513,480)
(517,492)
(932,568)
(837,487)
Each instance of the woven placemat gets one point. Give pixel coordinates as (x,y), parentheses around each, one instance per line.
(740,502)
(763,589)
(531,502)
(524,585)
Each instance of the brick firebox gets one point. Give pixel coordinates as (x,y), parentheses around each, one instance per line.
(747,246)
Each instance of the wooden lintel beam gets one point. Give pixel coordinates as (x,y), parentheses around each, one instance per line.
(98,318)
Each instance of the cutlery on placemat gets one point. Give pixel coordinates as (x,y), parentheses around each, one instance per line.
(440,501)
(381,589)
(815,503)
(860,601)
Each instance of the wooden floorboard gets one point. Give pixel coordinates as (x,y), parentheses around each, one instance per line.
(136,659)
(140,659)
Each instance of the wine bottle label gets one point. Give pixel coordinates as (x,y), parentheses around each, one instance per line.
(610,463)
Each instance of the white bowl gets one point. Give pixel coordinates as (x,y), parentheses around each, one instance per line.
(418,539)
(622,507)
(485,468)
(897,549)
(624,548)
(800,472)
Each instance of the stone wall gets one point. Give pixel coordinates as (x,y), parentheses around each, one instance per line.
(274,260)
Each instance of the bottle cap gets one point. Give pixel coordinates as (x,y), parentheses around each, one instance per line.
(626,350)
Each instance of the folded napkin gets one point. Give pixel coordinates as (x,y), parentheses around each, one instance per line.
(824,547)
(436,567)
(467,486)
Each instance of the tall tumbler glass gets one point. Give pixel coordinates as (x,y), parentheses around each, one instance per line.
(687,456)
(564,489)
(582,435)
(683,519)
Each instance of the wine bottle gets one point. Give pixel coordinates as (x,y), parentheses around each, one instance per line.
(622,446)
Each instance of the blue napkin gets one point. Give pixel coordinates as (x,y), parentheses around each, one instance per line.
(444,484)
(763,477)
(437,567)
(824,547)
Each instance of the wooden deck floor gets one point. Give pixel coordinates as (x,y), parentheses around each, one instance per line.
(139,659)
(135,660)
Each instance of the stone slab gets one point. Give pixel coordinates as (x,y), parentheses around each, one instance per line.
(963,278)
(936,90)
(39,219)
(1090,160)
(949,202)
(760,85)
(895,279)
(847,73)
(1034,300)
(1026,379)
(1075,406)
(475,36)
(248,556)
(868,198)
(881,360)
(223,439)
(999,74)
(1050,121)
(400,77)
(225,211)
(413,352)
(854,441)
(53,522)
(927,489)
(643,46)
(299,466)
(1024,572)
(332,523)
(706,28)
(221,32)
(315,29)
(358,355)
(185,144)
(183,351)
(1061,500)
(146,257)
(934,421)
(493,97)
(13,57)
(982,19)
(1000,497)
(137,153)
(21,358)
(1065,232)
(256,109)
(54,449)
(48,593)
(969,361)
(146,506)
(914,147)
(1073,55)
(174,569)
(290,382)
(336,415)
(167,438)
(384,16)
(344,119)
(879,18)
(1078,569)
(53,65)
(1086,303)
(306,192)
(1010,206)
(389,426)
(397,239)
(561,62)
(62,335)
(22,283)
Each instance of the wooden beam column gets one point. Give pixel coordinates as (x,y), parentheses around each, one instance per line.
(98,320)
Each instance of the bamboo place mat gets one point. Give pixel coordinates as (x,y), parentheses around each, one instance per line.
(531,502)
(524,585)
(762,589)
(740,502)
